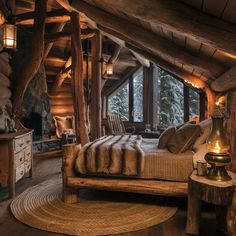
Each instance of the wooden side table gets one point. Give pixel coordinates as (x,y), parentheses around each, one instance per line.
(222,194)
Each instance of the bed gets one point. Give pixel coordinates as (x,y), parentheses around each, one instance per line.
(163,173)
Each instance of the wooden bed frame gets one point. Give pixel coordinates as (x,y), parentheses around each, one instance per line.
(72,182)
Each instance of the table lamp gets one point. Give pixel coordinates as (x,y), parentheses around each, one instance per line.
(218,155)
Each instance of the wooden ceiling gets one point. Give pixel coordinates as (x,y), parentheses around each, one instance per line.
(186,52)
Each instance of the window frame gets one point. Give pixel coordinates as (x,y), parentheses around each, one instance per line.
(148,90)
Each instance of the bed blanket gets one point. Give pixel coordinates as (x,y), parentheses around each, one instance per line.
(114,154)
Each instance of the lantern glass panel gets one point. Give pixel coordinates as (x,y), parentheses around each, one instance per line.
(217,142)
(9,36)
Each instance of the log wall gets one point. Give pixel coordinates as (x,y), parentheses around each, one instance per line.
(62,103)
(5,91)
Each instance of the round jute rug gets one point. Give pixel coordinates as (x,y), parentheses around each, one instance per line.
(41,207)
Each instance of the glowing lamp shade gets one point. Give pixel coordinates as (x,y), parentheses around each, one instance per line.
(109,69)
(9,36)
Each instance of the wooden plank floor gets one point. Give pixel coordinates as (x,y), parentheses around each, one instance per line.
(45,168)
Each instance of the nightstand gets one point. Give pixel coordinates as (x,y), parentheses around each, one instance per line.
(222,194)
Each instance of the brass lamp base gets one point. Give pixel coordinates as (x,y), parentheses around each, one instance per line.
(218,173)
(217,170)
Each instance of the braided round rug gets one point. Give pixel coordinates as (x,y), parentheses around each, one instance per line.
(41,207)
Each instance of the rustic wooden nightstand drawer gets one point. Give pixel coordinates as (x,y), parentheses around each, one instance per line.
(20,171)
(19,158)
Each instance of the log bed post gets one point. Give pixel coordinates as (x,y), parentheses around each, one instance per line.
(27,73)
(77,80)
(96,49)
(231,128)
(70,152)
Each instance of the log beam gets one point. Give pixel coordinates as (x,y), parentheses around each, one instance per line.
(180,18)
(96,50)
(55,16)
(27,73)
(142,60)
(64,73)
(231,128)
(142,37)
(85,33)
(77,80)
(225,82)
(170,68)
(55,29)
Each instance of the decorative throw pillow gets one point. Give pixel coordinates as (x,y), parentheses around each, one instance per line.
(165,136)
(184,138)
(202,139)
(62,124)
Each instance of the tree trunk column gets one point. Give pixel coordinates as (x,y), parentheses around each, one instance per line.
(95,115)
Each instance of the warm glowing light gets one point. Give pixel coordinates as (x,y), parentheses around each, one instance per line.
(9,36)
(109,69)
(229,55)
(216,148)
(193,85)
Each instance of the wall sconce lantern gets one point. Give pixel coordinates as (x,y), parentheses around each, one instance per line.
(9,36)
(109,69)
(218,150)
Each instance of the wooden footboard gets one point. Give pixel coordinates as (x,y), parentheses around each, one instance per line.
(71,182)
(153,187)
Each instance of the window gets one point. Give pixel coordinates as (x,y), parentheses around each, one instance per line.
(170,98)
(118,102)
(194,103)
(138,96)
(127,100)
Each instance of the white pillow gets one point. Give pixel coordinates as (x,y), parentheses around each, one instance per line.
(202,139)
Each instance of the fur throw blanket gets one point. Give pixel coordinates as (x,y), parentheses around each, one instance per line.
(115,154)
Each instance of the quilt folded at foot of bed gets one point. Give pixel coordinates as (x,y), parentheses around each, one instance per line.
(115,154)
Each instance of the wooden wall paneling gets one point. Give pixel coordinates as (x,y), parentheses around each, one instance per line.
(229,12)
(193,45)
(167,34)
(77,81)
(188,68)
(231,127)
(214,7)
(207,50)
(27,73)
(194,24)
(139,36)
(95,107)
(179,39)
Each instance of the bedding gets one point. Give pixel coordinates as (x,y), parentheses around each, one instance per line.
(154,163)
(114,154)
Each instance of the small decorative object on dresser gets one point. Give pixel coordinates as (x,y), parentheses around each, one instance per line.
(222,194)
(16,158)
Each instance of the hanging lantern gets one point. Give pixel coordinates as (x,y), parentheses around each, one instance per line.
(218,150)
(9,36)
(109,69)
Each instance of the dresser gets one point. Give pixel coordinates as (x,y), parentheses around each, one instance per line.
(16,158)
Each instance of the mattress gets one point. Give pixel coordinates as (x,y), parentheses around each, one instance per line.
(162,164)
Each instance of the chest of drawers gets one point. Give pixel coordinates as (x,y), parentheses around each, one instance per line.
(16,158)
